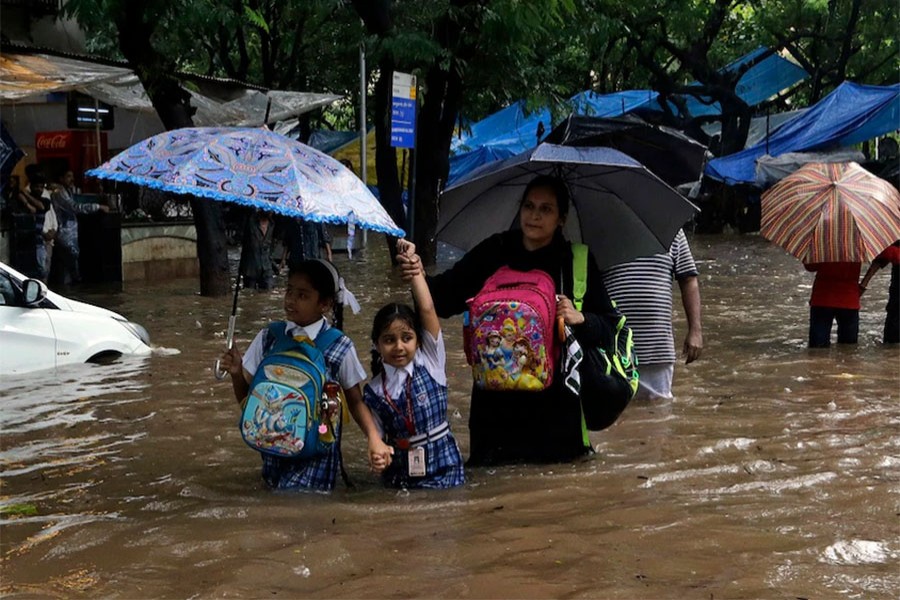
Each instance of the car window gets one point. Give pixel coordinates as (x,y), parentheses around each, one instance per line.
(7,290)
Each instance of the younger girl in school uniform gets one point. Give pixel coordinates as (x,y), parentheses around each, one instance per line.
(408,391)
(311,293)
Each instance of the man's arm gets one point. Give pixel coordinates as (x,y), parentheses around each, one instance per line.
(690,299)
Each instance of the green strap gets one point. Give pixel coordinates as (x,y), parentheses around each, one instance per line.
(579,289)
(579,274)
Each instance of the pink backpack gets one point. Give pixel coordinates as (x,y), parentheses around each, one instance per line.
(510,335)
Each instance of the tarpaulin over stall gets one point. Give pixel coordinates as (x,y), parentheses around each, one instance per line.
(28,77)
(851,114)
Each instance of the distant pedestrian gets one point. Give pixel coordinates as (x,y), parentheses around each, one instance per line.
(890,256)
(304,240)
(66,249)
(256,252)
(835,297)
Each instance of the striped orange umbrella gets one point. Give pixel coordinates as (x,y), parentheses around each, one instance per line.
(831,212)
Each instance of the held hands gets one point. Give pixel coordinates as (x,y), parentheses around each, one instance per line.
(379,454)
(567,311)
(410,263)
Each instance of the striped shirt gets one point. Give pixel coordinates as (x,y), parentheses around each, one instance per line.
(642,289)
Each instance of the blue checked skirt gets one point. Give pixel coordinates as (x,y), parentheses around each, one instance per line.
(443,461)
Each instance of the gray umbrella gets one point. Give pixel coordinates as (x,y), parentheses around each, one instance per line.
(619,208)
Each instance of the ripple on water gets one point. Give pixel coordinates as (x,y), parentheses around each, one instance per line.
(856,552)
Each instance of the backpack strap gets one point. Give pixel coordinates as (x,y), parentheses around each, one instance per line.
(579,289)
(276,336)
(579,274)
(327,337)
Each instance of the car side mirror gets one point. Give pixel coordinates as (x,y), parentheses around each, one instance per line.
(34,291)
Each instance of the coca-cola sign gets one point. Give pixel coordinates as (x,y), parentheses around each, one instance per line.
(53,140)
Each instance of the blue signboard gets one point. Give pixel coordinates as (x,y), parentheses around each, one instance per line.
(403,111)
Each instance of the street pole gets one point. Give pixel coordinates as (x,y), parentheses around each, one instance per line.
(362,125)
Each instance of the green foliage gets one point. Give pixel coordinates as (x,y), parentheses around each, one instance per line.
(541,50)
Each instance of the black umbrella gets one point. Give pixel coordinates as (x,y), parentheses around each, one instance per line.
(669,154)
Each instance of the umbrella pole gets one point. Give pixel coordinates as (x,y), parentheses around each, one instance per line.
(229,338)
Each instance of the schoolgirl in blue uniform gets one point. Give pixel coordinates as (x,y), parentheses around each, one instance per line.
(311,293)
(408,391)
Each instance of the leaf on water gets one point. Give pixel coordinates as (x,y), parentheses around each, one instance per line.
(18,510)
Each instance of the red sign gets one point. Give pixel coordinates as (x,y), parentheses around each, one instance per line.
(53,140)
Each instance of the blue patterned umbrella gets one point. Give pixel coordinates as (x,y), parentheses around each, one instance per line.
(254,167)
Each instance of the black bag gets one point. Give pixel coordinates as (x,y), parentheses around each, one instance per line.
(608,376)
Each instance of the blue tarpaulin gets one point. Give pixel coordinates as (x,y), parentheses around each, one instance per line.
(851,114)
(511,131)
(759,83)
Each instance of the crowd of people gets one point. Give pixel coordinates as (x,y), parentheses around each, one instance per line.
(47,220)
(402,409)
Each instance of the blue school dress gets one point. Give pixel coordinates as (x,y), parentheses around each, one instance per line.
(417,418)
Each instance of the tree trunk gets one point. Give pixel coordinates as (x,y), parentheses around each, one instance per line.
(389,188)
(172,103)
(435,125)
(376,15)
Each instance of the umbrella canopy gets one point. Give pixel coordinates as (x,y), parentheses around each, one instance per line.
(831,212)
(619,208)
(254,167)
(671,155)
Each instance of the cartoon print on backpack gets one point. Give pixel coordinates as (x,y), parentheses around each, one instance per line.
(526,366)
(513,316)
(283,414)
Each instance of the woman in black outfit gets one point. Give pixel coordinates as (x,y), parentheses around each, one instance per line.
(528,426)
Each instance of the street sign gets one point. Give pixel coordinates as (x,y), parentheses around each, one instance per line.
(403,111)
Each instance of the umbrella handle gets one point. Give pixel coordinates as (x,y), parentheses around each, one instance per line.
(229,338)
(229,342)
(561,329)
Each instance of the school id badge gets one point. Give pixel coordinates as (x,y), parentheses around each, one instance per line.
(417,462)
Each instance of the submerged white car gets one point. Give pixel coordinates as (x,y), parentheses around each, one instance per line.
(40,329)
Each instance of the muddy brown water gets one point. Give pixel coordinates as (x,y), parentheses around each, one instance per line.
(772,474)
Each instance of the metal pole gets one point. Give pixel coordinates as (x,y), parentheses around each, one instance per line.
(363,90)
(97,129)
(414,166)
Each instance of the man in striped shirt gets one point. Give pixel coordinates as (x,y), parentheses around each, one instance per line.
(642,290)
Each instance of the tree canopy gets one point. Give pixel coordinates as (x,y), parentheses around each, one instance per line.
(474,57)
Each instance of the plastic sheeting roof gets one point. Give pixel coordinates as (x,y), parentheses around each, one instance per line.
(851,114)
(28,78)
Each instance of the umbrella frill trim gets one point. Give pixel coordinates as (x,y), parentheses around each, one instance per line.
(214,195)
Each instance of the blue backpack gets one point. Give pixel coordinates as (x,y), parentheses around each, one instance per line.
(292,410)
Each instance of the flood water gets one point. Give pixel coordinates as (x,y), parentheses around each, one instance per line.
(774,473)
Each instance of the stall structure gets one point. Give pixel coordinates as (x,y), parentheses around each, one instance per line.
(74,112)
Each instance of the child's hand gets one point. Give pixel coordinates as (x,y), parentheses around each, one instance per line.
(379,455)
(405,248)
(410,263)
(231,362)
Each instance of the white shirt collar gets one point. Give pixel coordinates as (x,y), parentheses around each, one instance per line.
(395,379)
(311,331)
